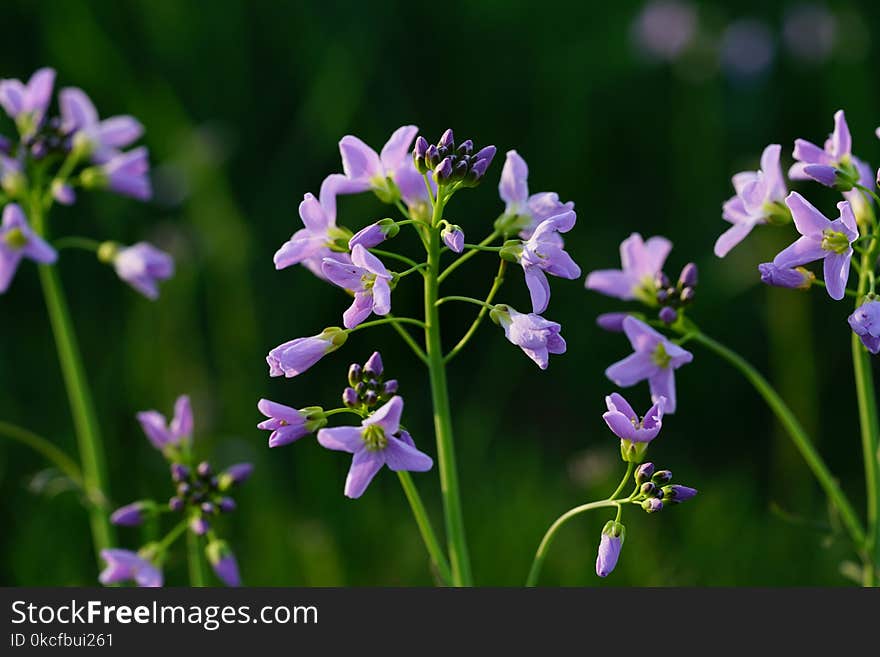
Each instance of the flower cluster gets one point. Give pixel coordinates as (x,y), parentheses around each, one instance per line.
(52,158)
(366,385)
(201,496)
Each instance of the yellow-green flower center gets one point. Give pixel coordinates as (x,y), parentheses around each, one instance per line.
(660,357)
(374,438)
(834,241)
(16,239)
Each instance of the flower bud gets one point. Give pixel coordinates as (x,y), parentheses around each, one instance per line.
(465,147)
(179,472)
(209,508)
(234,475)
(371,398)
(176,504)
(511,250)
(644,472)
(668,315)
(678,494)
(432,157)
(132,515)
(389,388)
(798,278)
(443,172)
(199,526)
(662,477)
(613,535)
(652,505)
(204,469)
(687,295)
(647,488)
(688,276)
(226,504)
(373,367)
(453,237)
(350,398)
(223,562)
(355,374)
(419,155)
(447,141)
(661,280)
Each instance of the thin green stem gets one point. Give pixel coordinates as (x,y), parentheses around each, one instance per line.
(416,349)
(467,256)
(871,192)
(90,445)
(402,209)
(84,243)
(171,536)
(478,302)
(496,285)
(849,293)
(435,551)
(394,256)
(795,431)
(455,534)
(480,247)
(47,449)
(544,547)
(412,270)
(387,320)
(194,560)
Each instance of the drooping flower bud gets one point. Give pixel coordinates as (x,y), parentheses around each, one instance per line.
(662,477)
(677,493)
(453,237)
(613,535)
(132,515)
(234,475)
(223,562)
(798,278)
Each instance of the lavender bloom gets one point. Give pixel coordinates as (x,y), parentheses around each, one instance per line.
(821,239)
(160,434)
(759,197)
(17,241)
(296,356)
(523,212)
(664,29)
(453,237)
(367,278)
(12,178)
(126,174)
(142,266)
(613,535)
(234,475)
(677,493)
(26,104)
(543,253)
(288,424)
(865,322)
(130,515)
(104,139)
(625,422)
(374,234)
(365,169)
(223,562)
(377,442)
(611,322)
(798,278)
(536,336)
(655,358)
(125,565)
(640,263)
(414,192)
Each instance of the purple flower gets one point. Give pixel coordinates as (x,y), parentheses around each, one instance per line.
(130,515)
(374,234)
(798,278)
(612,322)
(125,173)
(652,505)
(26,104)
(160,434)
(613,535)
(453,237)
(17,241)
(12,177)
(640,263)
(414,192)
(544,253)
(759,196)
(820,164)
(223,562)
(378,441)
(296,356)
(865,322)
(288,424)
(234,475)
(821,239)
(142,266)
(199,526)
(367,278)
(677,493)
(536,336)
(63,193)
(310,245)
(523,212)
(125,565)
(365,169)
(104,138)
(625,422)
(655,358)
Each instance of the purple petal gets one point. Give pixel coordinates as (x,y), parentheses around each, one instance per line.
(345,275)
(612,283)
(313,214)
(632,369)
(514,187)
(359,161)
(77,110)
(806,152)
(119,131)
(612,322)
(182,424)
(609,552)
(364,467)
(773,172)
(399,455)
(802,251)
(363,258)
(154,426)
(641,336)
(387,417)
(848,217)
(662,384)
(359,310)
(731,237)
(620,425)
(396,150)
(539,288)
(381,296)
(841,141)
(39,90)
(616,402)
(336,184)
(342,439)
(275,410)
(837,274)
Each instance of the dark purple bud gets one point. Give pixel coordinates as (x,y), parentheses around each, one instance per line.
(432,157)
(644,472)
(371,398)
(204,469)
(223,562)
(5,145)
(226,504)
(234,475)
(443,172)
(39,150)
(175,504)
(355,373)
(179,472)
(199,525)
(130,515)
(662,477)
(799,278)
(421,147)
(350,398)
(662,295)
(373,367)
(652,505)
(661,280)
(465,147)
(360,388)
(612,322)
(197,497)
(478,169)
(687,295)
(668,315)
(373,384)
(688,276)
(459,171)
(647,488)
(209,508)
(390,387)
(678,494)
(447,141)
(485,155)
(213,483)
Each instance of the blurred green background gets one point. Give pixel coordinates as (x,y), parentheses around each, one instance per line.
(639,117)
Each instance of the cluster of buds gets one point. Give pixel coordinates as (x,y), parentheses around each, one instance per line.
(450,163)
(672,298)
(204,492)
(366,386)
(655,489)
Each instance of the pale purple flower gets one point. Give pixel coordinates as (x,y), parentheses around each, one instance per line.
(130,515)
(125,565)
(199,526)
(536,336)
(311,244)
(453,237)
(163,435)
(365,277)
(223,562)
(759,195)
(798,278)
(821,239)
(11,175)
(234,475)
(378,441)
(747,49)
(374,234)
(63,193)
(288,424)
(142,266)
(640,263)
(26,104)
(125,173)
(526,211)
(625,422)
(296,356)
(809,32)
(366,169)
(105,138)
(865,322)
(677,493)
(544,253)
(665,28)
(17,241)
(655,358)
(612,322)
(613,535)
(414,191)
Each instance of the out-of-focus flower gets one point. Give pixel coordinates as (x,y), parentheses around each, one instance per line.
(640,263)
(162,435)
(125,173)
(102,139)
(222,560)
(141,265)
(665,28)
(125,565)
(865,322)
(747,49)
(523,211)
(366,169)
(26,104)
(17,241)
(809,31)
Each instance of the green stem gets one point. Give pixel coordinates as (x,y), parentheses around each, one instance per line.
(496,285)
(387,320)
(90,445)
(480,247)
(458,553)
(412,270)
(478,302)
(849,293)
(84,243)
(416,349)
(867,191)
(171,536)
(394,256)
(438,559)
(46,448)
(467,256)
(194,560)
(544,547)
(795,431)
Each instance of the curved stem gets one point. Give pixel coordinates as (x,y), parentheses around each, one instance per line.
(387,320)
(544,547)
(496,285)
(467,256)
(795,431)
(480,247)
(394,256)
(416,349)
(46,448)
(865,190)
(487,306)
(194,560)
(438,559)
(849,293)
(73,242)
(90,444)
(412,270)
